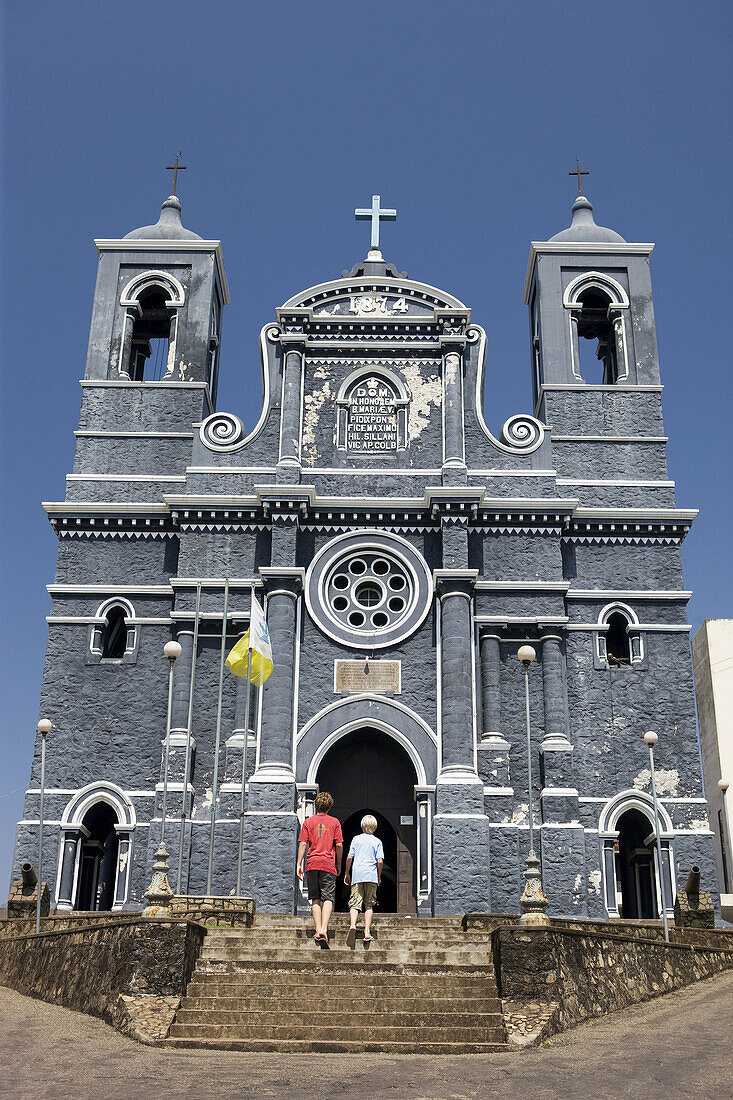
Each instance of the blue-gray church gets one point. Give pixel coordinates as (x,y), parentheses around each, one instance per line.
(403,550)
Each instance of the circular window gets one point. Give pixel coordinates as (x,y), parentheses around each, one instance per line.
(368,589)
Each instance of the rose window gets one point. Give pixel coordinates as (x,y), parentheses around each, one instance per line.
(368,589)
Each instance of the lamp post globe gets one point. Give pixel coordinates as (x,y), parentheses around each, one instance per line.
(172,650)
(723,784)
(651,738)
(526,655)
(44,726)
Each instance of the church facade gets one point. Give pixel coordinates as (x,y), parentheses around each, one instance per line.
(403,552)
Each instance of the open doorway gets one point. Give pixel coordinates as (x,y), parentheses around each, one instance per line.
(368,772)
(98,864)
(635,867)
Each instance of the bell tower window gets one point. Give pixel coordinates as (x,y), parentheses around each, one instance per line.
(150,347)
(114,636)
(594,325)
(619,643)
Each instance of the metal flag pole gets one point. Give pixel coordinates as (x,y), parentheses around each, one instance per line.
(186,772)
(215,782)
(244,745)
(172,650)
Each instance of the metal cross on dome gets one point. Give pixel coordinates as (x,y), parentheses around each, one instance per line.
(373,214)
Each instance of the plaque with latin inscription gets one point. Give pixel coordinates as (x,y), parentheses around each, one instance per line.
(379,676)
(372,417)
(372,414)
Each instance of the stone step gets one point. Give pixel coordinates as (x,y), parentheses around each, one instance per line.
(384,936)
(398,919)
(266,1000)
(346,961)
(373,1023)
(480,1034)
(341,1046)
(344,957)
(354,977)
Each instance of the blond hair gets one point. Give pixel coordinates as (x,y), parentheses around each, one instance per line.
(369,823)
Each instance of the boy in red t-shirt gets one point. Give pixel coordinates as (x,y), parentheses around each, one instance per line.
(322,835)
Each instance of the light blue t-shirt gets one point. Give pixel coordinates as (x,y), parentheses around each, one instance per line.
(365,850)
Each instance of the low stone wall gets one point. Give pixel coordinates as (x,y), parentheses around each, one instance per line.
(586,974)
(131,972)
(215,911)
(715,938)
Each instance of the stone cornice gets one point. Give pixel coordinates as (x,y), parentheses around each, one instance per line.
(573,248)
(137,244)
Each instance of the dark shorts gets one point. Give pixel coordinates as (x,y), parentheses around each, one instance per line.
(321,885)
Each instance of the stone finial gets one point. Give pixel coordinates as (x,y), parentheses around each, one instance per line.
(159,893)
(533,900)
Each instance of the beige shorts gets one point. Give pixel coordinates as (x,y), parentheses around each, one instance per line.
(363,895)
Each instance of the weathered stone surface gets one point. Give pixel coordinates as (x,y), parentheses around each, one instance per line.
(90,968)
(588,974)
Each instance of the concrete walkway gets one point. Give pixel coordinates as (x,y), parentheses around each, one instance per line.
(680,1045)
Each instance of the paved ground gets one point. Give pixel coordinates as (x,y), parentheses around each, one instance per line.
(678,1046)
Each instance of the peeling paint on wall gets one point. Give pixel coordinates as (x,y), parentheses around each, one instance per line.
(312,405)
(594,881)
(668,780)
(426,393)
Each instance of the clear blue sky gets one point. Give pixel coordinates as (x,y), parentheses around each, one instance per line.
(465,116)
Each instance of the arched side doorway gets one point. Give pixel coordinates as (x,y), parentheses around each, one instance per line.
(366,771)
(635,872)
(630,864)
(96,849)
(98,860)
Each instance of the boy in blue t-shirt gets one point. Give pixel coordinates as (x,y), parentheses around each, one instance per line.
(364,868)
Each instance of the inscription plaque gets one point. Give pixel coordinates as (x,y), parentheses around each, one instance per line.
(356,676)
(372,416)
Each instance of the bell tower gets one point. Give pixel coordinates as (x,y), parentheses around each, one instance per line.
(153,356)
(588,284)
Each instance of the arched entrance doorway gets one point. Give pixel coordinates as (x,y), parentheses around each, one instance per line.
(366,771)
(635,870)
(98,861)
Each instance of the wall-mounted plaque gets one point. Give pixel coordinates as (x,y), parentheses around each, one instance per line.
(372,413)
(357,676)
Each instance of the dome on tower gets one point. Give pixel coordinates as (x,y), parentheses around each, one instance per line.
(583,229)
(168,226)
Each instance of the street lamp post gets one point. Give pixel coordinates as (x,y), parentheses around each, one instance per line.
(533,901)
(172,650)
(44,728)
(651,738)
(723,785)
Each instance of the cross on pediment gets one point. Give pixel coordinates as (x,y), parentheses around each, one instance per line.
(373,214)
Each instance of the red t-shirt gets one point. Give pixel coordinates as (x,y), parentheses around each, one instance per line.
(321,833)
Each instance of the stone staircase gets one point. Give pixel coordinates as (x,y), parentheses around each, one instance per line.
(422,986)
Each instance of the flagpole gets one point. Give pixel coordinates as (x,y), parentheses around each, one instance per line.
(186,772)
(215,782)
(244,743)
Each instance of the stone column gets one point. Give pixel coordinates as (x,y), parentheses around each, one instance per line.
(460,824)
(178,732)
(288,464)
(69,853)
(575,342)
(271,824)
(454,453)
(563,839)
(493,748)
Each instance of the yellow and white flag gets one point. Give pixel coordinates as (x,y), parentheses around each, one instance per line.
(257,639)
